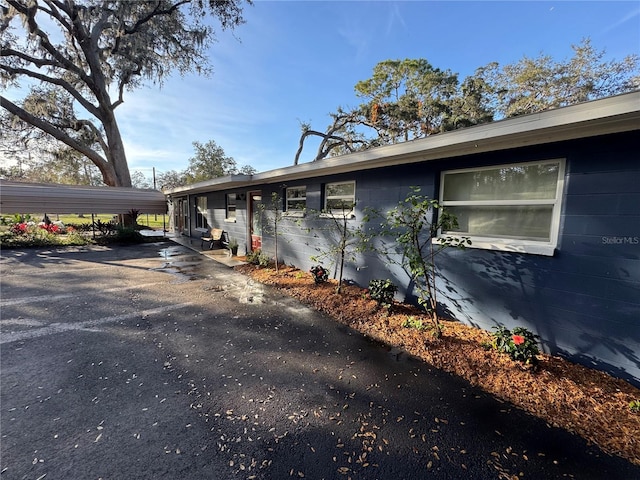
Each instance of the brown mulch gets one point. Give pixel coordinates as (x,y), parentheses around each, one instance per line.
(587,402)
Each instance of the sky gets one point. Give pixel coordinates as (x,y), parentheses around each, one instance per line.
(298,61)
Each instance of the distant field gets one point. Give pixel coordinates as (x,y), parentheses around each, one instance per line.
(151,220)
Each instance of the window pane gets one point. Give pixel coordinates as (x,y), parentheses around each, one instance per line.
(340,189)
(342,204)
(296,198)
(201,204)
(521,222)
(296,192)
(522,182)
(296,204)
(201,210)
(231,206)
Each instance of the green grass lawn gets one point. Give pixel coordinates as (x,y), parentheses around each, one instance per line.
(152,221)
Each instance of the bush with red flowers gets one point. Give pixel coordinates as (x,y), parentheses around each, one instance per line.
(520,344)
(320,274)
(19,228)
(51,227)
(24,233)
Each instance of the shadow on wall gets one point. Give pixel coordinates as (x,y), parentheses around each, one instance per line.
(582,316)
(568,311)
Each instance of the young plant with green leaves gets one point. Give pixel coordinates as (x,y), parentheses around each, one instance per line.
(415,323)
(272,215)
(342,238)
(383,291)
(414,225)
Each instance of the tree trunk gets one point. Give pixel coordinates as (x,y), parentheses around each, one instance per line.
(116,155)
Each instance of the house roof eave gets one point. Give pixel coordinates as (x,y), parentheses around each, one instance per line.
(218,183)
(598,117)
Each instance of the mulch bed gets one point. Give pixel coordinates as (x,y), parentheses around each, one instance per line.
(586,402)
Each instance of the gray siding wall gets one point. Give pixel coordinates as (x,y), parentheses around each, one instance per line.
(584,302)
(216,217)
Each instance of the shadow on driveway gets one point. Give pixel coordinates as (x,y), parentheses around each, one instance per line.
(154,362)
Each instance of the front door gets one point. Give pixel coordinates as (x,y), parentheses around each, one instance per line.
(255,224)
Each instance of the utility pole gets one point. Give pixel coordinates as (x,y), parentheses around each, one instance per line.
(155,216)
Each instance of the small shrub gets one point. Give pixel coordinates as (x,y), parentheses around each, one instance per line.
(413,322)
(233,244)
(128,235)
(320,274)
(105,228)
(257,257)
(520,344)
(252,256)
(264,260)
(81,227)
(634,406)
(382,291)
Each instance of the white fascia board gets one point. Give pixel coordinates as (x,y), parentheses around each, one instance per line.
(219,183)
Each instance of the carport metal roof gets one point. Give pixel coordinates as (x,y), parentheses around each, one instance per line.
(19,197)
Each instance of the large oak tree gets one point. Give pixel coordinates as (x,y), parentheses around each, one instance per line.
(76,58)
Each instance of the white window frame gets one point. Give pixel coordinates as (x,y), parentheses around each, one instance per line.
(512,244)
(295,212)
(227,204)
(328,214)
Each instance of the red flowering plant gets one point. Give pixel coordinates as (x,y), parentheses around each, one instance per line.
(19,228)
(51,228)
(320,274)
(520,344)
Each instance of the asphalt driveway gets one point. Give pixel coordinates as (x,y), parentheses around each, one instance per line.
(154,361)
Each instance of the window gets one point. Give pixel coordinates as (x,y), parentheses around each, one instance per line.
(339,198)
(201,212)
(231,207)
(511,207)
(295,200)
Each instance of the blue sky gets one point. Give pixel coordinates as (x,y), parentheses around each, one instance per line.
(297,61)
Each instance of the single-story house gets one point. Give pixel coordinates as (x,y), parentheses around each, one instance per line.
(551,202)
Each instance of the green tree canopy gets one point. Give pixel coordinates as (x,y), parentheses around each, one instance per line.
(76,58)
(409,99)
(209,162)
(170,179)
(406,99)
(535,84)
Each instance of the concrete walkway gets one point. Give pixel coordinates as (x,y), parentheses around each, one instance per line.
(220,255)
(156,362)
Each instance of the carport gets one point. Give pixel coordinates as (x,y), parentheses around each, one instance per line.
(19,197)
